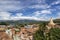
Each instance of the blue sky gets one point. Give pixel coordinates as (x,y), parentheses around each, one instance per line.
(29,9)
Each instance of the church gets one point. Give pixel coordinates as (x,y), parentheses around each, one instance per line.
(51,24)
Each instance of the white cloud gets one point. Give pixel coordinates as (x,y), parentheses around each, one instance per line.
(56,2)
(4,15)
(10,5)
(19,14)
(41,15)
(46,11)
(37,13)
(13,5)
(41,6)
(58,15)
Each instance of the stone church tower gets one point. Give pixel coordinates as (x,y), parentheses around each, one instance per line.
(51,24)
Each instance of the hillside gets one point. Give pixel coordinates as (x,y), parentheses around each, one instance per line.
(57,20)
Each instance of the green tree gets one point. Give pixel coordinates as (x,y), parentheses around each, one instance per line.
(39,35)
(55,34)
(4,23)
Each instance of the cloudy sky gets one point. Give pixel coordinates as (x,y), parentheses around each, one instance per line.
(29,9)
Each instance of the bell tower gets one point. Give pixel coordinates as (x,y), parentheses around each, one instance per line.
(51,23)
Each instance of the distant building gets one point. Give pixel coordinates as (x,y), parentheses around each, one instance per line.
(2,26)
(29,26)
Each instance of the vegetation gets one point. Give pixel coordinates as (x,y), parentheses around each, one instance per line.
(39,35)
(4,23)
(53,34)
